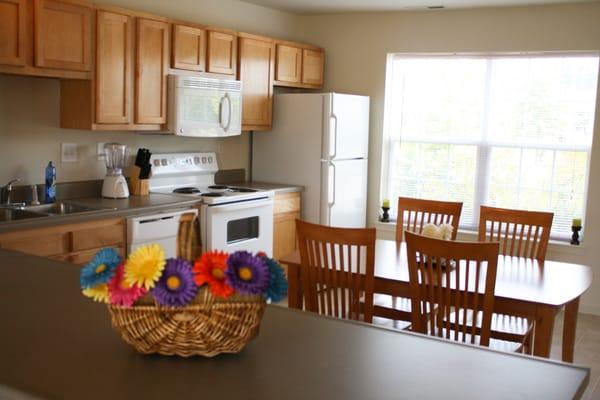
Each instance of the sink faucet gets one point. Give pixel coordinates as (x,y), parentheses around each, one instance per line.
(6,192)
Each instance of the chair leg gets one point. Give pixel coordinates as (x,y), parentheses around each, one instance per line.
(527,347)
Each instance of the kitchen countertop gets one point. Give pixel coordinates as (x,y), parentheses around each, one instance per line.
(56,344)
(276,187)
(134,205)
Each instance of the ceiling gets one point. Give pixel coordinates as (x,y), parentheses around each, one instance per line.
(309,7)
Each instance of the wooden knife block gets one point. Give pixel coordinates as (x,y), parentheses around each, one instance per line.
(137,186)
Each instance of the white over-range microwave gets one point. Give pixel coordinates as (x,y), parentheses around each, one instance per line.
(204,107)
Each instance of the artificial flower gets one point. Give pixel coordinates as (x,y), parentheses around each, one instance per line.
(210,268)
(144,266)
(100,270)
(98,293)
(176,286)
(278,286)
(246,273)
(120,293)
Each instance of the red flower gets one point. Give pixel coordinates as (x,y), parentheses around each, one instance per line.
(210,268)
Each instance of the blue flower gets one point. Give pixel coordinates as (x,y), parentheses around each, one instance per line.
(101,269)
(278,286)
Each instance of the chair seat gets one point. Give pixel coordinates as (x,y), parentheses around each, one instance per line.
(396,303)
(505,327)
(495,344)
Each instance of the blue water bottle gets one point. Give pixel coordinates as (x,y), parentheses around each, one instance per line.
(50,183)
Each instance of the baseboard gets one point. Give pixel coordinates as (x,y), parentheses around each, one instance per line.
(593,309)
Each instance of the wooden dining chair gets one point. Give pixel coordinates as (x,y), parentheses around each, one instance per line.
(522,234)
(457,280)
(413,214)
(338,270)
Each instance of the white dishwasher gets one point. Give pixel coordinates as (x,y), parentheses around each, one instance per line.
(161,228)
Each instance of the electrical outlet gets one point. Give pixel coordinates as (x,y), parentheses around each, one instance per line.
(100,151)
(68,152)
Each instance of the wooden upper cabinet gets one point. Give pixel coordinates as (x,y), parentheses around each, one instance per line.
(312,67)
(13,34)
(289,64)
(222,53)
(152,68)
(114,73)
(255,70)
(189,48)
(63,34)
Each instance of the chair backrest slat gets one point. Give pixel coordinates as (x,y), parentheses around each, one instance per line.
(521,233)
(448,277)
(337,270)
(413,214)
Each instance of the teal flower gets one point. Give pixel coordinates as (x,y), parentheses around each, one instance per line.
(101,269)
(278,286)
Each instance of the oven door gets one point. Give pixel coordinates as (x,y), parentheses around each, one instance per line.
(244,225)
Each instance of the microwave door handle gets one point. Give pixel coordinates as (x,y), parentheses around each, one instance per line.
(221,112)
(229,103)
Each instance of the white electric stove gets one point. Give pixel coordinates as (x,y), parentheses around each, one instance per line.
(231,217)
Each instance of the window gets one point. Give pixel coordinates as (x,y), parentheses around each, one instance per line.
(510,131)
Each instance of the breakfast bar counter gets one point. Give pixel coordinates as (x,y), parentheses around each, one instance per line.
(56,344)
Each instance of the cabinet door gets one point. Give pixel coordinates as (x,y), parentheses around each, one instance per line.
(222,53)
(256,73)
(289,64)
(152,68)
(189,48)
(114,57)
(13,40)
(284,234)
(62,35)
(312,67)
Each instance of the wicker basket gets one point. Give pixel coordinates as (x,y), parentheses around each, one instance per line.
(206,327)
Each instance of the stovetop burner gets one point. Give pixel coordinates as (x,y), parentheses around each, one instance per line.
(242,190)
(218,187)
(187,190)
(211,194)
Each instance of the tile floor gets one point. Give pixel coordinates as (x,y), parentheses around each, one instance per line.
(587,349)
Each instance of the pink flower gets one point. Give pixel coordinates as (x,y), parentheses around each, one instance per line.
(120,293)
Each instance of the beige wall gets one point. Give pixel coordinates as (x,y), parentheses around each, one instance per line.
(29,107)
(356,46)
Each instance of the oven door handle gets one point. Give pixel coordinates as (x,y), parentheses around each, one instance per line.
(244,205)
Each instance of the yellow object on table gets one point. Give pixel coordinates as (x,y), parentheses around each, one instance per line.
(576,222)
(386,203)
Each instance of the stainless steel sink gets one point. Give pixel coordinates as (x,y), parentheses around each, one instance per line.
(15,214)
(62,208)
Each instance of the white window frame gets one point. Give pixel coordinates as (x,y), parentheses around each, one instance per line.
(483,146)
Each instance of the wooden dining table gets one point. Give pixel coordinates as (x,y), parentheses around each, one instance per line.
(524,287)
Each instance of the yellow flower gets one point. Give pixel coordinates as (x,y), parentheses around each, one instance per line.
(145,266)
(98,293)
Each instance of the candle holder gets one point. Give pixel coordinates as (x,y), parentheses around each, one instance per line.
(386,216)
(575,236)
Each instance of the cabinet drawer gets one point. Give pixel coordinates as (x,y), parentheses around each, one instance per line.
(94,238)
(286,202)
(38,245)
(86,256)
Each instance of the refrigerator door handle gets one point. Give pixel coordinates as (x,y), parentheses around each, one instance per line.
(335,136)
(332,202)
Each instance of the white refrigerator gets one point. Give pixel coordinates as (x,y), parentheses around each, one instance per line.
(319,141)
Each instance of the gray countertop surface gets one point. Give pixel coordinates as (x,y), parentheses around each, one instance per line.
(56,344)
(134,205)
(276,187)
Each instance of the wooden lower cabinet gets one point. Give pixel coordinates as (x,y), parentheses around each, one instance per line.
(74,243)
(286,210)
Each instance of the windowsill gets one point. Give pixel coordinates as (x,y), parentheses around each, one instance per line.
(388,229)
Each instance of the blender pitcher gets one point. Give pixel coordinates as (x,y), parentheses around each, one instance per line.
(115,184)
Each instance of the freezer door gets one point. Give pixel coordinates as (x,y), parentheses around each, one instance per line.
(346,133)
(344,199)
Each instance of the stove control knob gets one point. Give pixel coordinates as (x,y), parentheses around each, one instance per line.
(203,160)
(210,160)
(196,160)
(157,163)
(164,162)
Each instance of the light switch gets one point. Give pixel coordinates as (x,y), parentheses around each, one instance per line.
(69,152)
(100,151)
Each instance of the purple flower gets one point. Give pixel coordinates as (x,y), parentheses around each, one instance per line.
(176,286)
(246,273)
